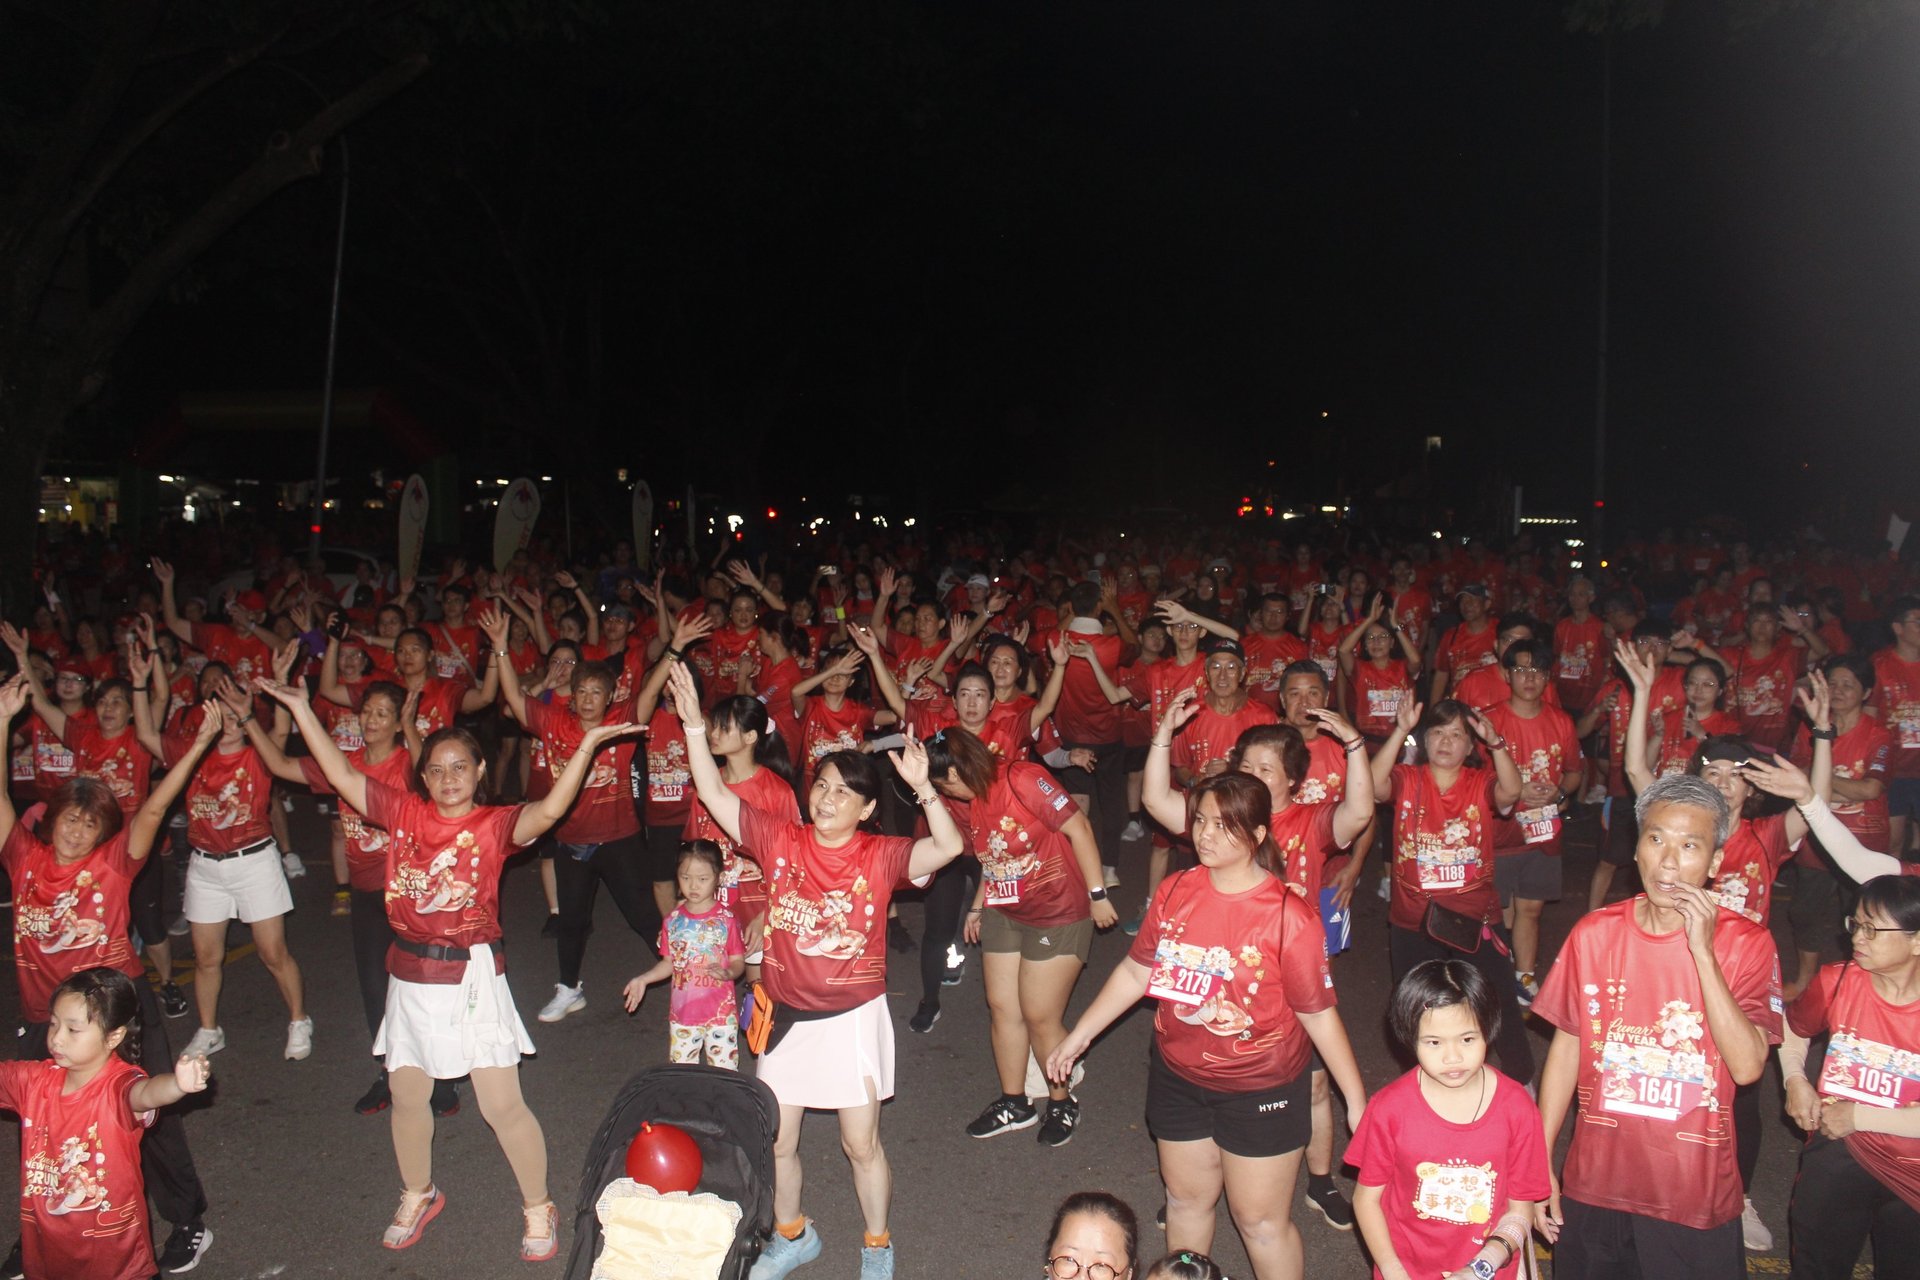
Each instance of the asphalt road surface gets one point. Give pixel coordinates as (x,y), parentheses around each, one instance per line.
(301,1186)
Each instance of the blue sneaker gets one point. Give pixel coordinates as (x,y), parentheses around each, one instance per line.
(876,1264)
(1132,927)
(783,1256)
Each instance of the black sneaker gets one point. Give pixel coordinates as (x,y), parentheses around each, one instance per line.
(924,1017)
(13,1268)
(898,939)
(1332,1205)
(551,929)
(376,1099)
(1004,1116)
(1057,1129)
(446,1098)
(185,1247)
(173,1001)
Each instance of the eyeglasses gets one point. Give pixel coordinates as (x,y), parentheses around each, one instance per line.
(1065,1268)
(1857,927)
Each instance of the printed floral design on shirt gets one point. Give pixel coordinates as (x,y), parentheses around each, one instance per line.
(358,834)
(822,745)
(667,773)
(1762,698)
(231,806)
(438,887)
(1868,1071)
(1575,661)
(75,1181)
(1455,1192)
(824,927)
(1320,790)
(1661,1071)
(999,861)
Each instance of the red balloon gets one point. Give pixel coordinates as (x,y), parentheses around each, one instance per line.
(663,1157)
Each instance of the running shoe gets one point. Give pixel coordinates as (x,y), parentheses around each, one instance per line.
(924,1017)
(206,1041)
(416,1210)
(295,867)
(446,1098)
(1332,1205)
(876,1264)
(1004,1115)
(565,1000)
(541,1239)
(956,967)
(342,902)
(782,1256)
(1526,987)
(1132,927)
(185,1247)
(1386,890)
(173,1001)
(1134,830)
(376,1099)
(179,927)
(1112,876)
(1057,1129)
(551,929)
(898,939)
(299,1039)
(1753,1231)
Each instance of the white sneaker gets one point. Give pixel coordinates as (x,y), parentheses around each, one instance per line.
(565,1000)
(207,1040)
(299,1039)
(295,867)
(1112,876)
(1386,891)
(1753,1231)
(1134,830)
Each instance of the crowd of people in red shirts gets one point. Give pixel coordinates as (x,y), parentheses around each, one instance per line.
(1238,733)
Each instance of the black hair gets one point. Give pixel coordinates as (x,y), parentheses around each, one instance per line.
(1284,741)
(1185,1265)
(973,671)
(420,633)
(1441,984)
(1539,650)
(954,749)
(389,690)
(706,851)
(856,769)
(1861,667)
(112,683)
(1099,1204)
(1446,711)
(112,1004)
(1085,599)
(999,640)
(1304,667)
(1508,621)
(748,714)
(600,672)
(1898,897)
(89,794)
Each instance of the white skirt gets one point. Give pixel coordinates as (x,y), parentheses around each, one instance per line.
(826,1063)
(448,1029)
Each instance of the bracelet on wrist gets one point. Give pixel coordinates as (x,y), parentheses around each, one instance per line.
(140,688)
(693,728)
(1822,735)
(1164,746)
(1352,743)
(931,797)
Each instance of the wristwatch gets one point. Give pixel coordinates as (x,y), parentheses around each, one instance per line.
(1481,1268)
(1097,895)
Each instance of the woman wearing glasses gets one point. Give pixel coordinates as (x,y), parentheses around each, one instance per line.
(1239,967)
(1860,1170)
(1094,1237)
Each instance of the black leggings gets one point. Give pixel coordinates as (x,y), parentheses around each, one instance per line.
(1108,788)
(144,899)
(371,937)
(1746,1131)
(1405,949)
(1836,1206)
(618,864)
(166,1163)
(946,906)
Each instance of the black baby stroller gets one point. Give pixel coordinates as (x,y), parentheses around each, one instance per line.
(733,1118)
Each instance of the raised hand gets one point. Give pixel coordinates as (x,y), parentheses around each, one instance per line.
(162,571)
(607,731)
(863,639)
(1816,700)
(302,617)
(917,670)
(691,631)
(743,575)
(1332,722)
(1407,717)
(15,642)
(494,624)
(213,721)
(686,703)
(1184,707)
(143,625)
(886,582)
(910,762)
(1778,776)
(1641,669)
(192,1072)
(566,581)
(998,600)
(139,663)
(13,697)
(283,660)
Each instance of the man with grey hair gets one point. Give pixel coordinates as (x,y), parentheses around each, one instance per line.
(1661,1004)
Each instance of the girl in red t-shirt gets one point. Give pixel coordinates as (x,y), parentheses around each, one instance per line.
(449,1010)
(1377,681)
(837,719)
(1239,967)
(1041,896)
(1451,1155)
(829,1040)
(1443,811)
(83,1209)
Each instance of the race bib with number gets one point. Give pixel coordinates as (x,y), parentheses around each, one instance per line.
(1004,893)
(23,765)
(1870,1072)
(1542,825)
(1383,704)
(668,791)
(1910,732)
(1651,1080)
(1447,867)
(1187,974)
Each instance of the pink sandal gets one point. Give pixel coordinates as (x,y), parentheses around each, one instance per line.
(417,1209)
(541,1239)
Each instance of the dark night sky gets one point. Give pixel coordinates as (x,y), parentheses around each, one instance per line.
(1117,227)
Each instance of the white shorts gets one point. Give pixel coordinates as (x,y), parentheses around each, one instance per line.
(251,887)
(447,1029)
(827,1063)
